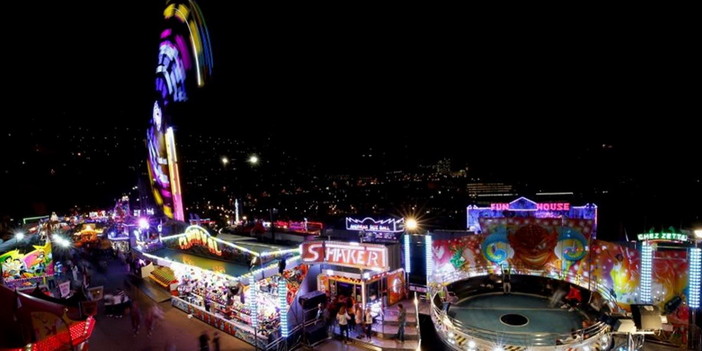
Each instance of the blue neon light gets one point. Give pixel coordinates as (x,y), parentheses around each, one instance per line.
(646,262)
(694,277)
(407,253)
(283,306)
(253,303)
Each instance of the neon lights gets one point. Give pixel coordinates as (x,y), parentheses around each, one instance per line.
(220,241)
(185,38)
(368,224)
(196,235)
(301,227)
(663,236)
(547,206)
(694,277)
(283,306)
(430,261)
(368,256)
(407,253)
(646,262)
(523,205)
(253,307)
(144,223)
(175,176)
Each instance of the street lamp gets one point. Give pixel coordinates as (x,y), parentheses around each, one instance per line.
(225,160)
(253,159)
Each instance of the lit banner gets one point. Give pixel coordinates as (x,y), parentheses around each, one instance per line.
(368,256)
(390,225)
(523,208)
(652,236)
(377,230)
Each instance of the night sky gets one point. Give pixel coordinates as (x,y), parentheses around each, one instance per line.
(542,105)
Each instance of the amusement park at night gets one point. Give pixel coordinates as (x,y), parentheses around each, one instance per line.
(164,268)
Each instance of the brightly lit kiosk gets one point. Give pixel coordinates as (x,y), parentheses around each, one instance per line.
(240,291)
(668,297)
(361,271)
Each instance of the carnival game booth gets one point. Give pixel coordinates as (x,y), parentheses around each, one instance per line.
(30,323)
(546,255)
(360,272)
(245,291)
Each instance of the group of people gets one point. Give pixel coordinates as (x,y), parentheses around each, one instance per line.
(204,341)
(153,314)
(351,318)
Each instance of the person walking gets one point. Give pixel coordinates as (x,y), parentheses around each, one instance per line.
(204,340)
(215,342)
(401,320)
(343,319)
(135,315)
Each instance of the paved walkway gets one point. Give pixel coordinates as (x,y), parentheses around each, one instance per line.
(115,334)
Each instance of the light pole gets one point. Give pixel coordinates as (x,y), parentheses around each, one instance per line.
(411,226)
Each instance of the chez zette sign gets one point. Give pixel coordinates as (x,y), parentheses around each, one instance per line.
(341,253)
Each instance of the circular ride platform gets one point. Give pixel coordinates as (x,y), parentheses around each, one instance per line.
(483,318)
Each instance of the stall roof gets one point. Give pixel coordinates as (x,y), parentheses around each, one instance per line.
(229,268)
(261,248)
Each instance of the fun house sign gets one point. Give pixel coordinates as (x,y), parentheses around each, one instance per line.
(368,256)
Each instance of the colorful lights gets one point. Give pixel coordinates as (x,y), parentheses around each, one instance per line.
(144,223)
(283,306)
(646,262)
(407,253)
(428,253)
(694,277)
(175,176)
(191,230)
(184,51)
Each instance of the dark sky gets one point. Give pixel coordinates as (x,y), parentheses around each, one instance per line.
(519,99)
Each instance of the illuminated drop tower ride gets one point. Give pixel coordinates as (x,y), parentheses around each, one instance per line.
(184,64)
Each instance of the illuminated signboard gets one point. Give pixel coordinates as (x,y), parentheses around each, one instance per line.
(523,207)
(369,256)
(547,206)
(195,235)
(390,225)
(662,237)
(30,258)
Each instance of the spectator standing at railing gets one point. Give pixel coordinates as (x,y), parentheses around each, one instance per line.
(506,281)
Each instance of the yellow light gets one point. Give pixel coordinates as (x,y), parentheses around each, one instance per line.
(698,233)
(411,224)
